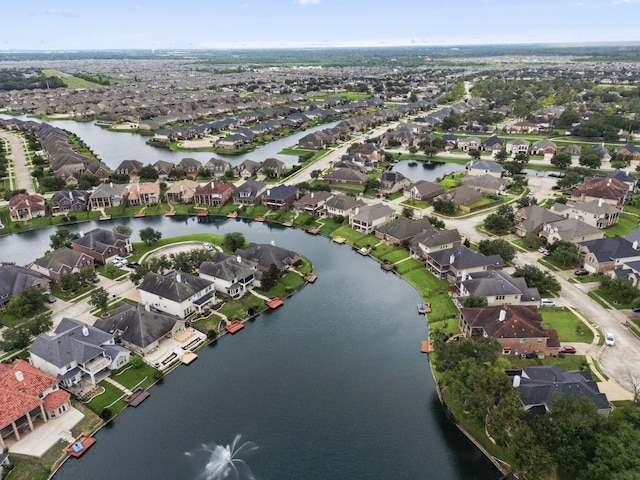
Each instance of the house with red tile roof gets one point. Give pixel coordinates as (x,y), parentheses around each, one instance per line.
(28,398)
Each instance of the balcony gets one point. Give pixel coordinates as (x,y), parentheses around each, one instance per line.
(96,365)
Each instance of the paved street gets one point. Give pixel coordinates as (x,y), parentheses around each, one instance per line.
(20,169)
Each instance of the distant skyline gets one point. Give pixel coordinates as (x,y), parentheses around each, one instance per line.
(212,24)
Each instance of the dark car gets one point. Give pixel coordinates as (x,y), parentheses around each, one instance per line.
(1,324)
(133,264)
(567,349)
(50,298)
(635,309)
(95,279)
(581,273)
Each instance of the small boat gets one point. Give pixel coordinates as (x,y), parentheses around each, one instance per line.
(364,251)
(80,445)
(424,308)
(387,266)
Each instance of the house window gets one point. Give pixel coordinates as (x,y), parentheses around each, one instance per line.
(523,340)
(539,340)
(506,351)
(62,409)
(499,297)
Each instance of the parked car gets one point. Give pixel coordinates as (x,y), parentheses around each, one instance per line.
(547,302)
(581,272)
(96,280)
(1,324)
(207,246)
(542,249)
(609,341)
(133,264)
(50,298)
(635,309)
(567,349)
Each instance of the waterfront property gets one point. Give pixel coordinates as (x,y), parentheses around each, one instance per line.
(62,261)
(103,244)
(25,207)
(230,274)
(14,279)
(177,293)
(498,287)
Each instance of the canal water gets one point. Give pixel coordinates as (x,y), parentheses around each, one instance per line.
(330,386)
(114,147)
(426,170)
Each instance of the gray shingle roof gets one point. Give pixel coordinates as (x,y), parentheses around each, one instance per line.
(465,258)
(607,249)
(176,286)
(100,239)
(404,228)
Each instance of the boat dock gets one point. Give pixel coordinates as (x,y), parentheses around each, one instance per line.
(137,397)
(274,303)
(339,240)
(387,266)
(364,251)
(234,326)
(232,215)
(260,218)
(139,215)
(424,308)
(80,445)
(172,213)
(426,347)
(313,231)
(310,278)
(203,213)
(188,358)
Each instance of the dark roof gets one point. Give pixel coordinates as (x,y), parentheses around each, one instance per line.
(540,385)
(60,257)
(343,202)
(265,254)
(602,187)
(464,257)
(228,267)
(176,286)
(404,228)
(14,279)
(100,239)
(437,237)
(607,249)
(499,282)
(280,192)
(137,325)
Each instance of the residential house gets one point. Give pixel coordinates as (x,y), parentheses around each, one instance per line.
(28,398)
(265,255)
(544,147)
(433,240)
(312,202)
(99,170)
(217,167)
(570,230)
(14,279)
(532,219)
(604,153)
(456,263)
(190,166)
(248,168)
(524,127)
(24,206)
(611,190)
(140,329)
(341,206)
(314,141)
(391,182)
(625,178)
(163,168)
(574,151)
(492,144)
(129,167)
(279,197)
(539,386)
(424,190)
(346,176)
(182,191)
(146,193)
(606,254)
(469,143)
(499,288)
(483,167)
(595,213)
(67,201)
(630,150)
(517,146)
(76,350)
(402,229)
(518,328)
(462,196)
(213,194)
(107,195)
(62,261)
(231,274)
(103,244)
(366,219)
(249,193)
(485,183)
(177,293)
(272,168)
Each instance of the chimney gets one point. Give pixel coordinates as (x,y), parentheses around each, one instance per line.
(147,307)
(273,243)
(239,259)
(503,315)
(452,259)
(313,194)
(85,331)
(111,184)
(600,202)
(81,233)
(516,381)
(178,278)
(19,376)
(635,244)
(609,183)
(356,211)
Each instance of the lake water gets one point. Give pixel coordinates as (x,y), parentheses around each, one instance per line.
(330,386)
(114,147)
(426,170)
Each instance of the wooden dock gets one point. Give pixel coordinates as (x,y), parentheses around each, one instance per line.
(232,215)
(203,213)
(387,266)
(364,251)
(339,240)
(310,278)
(424,308)
(188,358)
(426,347)
(172,213)
(139,215)
(137,397)
(274,303)
(80,445)
(260,218)
(234,326)
(313,231)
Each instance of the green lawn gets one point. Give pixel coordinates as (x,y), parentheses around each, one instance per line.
(626,223)
(207,324)
(632,209)
(451,181)
(595,297)
(395,255)
(112,398)
(567,324)
(71,81)
(349,233)
(611,297)
(132,377)
(433,291)
(408,266)
(566,362)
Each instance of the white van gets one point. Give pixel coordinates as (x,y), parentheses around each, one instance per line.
(547,302)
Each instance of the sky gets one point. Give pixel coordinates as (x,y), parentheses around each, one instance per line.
(203,24)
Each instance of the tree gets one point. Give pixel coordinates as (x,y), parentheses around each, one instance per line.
(564,253)
(531,461)
(570,180)
(445,207)
(506,210)
(149,235)
(501,156)
(372,185)
(26,303)
(182,261)
(63,238)
(431,151)
(71,281)
(499,247)
(15,338)
(590,158)
(40,323)
(148,173)
(99,298)
(123,229)
(561,160)
(87,181)
(474,301)
(474,153)
(533,241)
(497,224)
(315,174)
(270,277)
(233,241)
(526,201)
(545,282)
(407,212)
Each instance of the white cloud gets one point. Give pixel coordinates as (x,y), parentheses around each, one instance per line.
(59,13)
(306,3)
